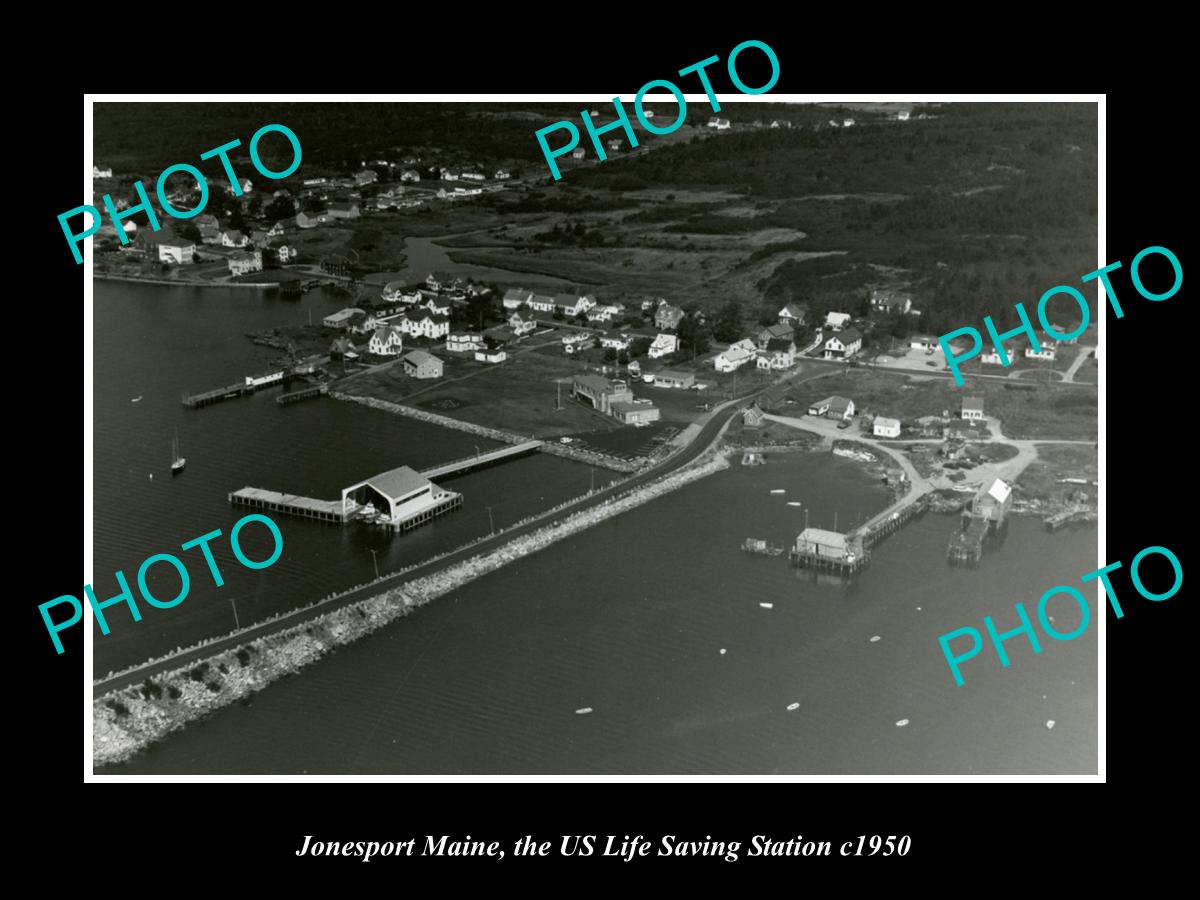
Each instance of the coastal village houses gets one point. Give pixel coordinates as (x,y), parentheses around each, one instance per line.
(361,322)
(426,324)
(231,237)
(663,345)
(895,302)
(515,298)
(674,378)
(774,332)
(521,323)
(165,246)
(340,318)
(419,364)
(1048,352)
(667,317)
(737,355)
(972,409)
(840,408)
(837,320)
(843,345)
(616,340)
(464,342)
(387,340)
(884,427)
(778,355)
(793,314)
(244,262)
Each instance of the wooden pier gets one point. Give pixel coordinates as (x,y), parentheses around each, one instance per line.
(479,460)
(873,534)
(290,504)
(966,546)
(316,390)
(207,398)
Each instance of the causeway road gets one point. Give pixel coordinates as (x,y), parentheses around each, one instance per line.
(704,438)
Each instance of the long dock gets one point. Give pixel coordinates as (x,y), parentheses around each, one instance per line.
(207,398)
(290,504)
(479,460)
(316,390)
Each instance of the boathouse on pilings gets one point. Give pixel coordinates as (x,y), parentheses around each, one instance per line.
(829,551)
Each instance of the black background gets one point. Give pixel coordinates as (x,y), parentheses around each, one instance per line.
(982,832)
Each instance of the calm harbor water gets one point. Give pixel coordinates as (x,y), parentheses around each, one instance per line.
(628,618)
(157,342)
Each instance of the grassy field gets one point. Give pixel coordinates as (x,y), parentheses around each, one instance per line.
(517,396)
(1054,412)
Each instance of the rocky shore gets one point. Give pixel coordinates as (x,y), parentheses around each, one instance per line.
(126,721)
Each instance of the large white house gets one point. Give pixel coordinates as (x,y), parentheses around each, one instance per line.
(843,344)
(515,298)
(887,427)
(387,340)
(423,323)
(736,356)
(664,345)
(242,262)
(177,251)
(837,320)
(464,342)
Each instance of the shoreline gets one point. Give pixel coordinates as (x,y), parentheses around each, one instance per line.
(174,282)
(126,721)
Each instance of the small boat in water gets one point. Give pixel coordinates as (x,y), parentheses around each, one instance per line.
(767,605)
(177,461)
(793,706)
(779,491)
(136,399)
(793,503)
(583,711)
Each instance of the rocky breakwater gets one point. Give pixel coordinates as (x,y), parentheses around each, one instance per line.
(126,721)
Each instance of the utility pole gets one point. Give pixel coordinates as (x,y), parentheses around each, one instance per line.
(593,479)
(375,559)
(236,623)
(491,524)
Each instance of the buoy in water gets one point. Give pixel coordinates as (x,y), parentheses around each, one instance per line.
(722,651)
(1049,723)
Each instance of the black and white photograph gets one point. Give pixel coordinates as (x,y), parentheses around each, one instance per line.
(465,436)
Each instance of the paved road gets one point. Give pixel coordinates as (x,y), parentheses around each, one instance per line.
(704,438)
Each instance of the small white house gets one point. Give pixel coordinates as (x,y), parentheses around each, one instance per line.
(889,428)
(837,320)
(991,358)
(719,124)
(1049,351)
(738,354)
(843,345)
(972,409)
